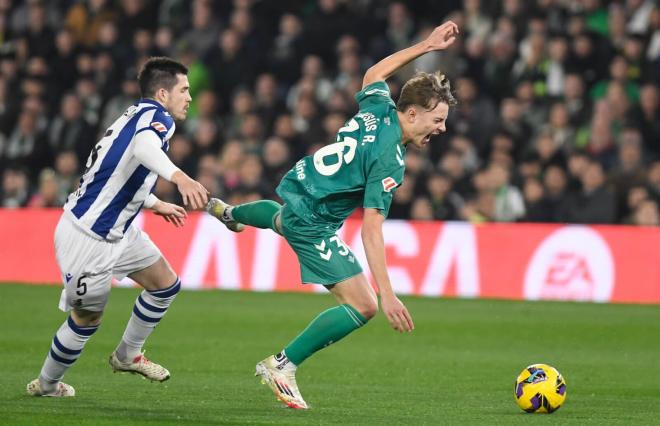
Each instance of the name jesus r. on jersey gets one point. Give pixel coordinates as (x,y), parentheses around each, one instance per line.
(115,185)
(326,187)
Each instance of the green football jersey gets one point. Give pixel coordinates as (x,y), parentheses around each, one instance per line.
(362,167)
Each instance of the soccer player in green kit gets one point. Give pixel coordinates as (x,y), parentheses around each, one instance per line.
(362,168)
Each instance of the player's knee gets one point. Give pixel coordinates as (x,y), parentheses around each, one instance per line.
(84,318)
(368,309)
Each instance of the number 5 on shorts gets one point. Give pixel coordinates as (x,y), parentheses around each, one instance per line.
(82,286)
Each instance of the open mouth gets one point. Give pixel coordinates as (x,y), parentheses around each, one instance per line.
(427,139)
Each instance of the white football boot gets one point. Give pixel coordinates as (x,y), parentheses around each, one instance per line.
(61,389)
(140,365)
(218,209)
(282,381)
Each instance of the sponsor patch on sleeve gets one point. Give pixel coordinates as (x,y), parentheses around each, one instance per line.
(160,127)
(388,184)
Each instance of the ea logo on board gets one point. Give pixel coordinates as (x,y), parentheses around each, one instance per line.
(572,263)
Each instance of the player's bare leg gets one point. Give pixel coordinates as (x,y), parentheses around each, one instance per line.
(358,293)
(161,286)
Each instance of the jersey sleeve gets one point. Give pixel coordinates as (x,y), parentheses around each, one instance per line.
(161,123)
(374,94)
(384,176)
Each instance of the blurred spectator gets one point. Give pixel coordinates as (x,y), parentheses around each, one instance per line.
(535,210)
(555,189)
(67,169)
(181,153)
(421,209)
(251,177)
(63,62)
(509,204)
(38,34)
(313,83)
(618,73)
(445,203)
(559,128)
(653,179)
(513,126)
(646,117)
(15,187)
(548,150)
(574,100)
(26,145)
(199,76)
(231,66)
(92,101)
(636,195)
(453,166)
(48,192)
(306,121)
(474,116)
(284,56)
(326,22)
(647,214)
(206,139)
(268,102)
(231,157)
(116,105)
(85,19)
(205,29)
(69,131)
(594,203)
(629,170)
(277,159)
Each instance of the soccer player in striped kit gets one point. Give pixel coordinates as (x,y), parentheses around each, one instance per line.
(96,241)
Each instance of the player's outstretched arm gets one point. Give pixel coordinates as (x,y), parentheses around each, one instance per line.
(148,152)
(441,38)
(193,193)
(374,246)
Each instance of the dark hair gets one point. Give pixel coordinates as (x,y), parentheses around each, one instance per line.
(426,90)
(159,72)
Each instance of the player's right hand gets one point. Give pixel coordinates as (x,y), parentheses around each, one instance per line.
(193,193)
(443,36)
(397,314)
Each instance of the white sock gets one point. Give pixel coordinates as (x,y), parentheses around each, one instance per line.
(227,214)
(284,363)
(65,349)
(148,310)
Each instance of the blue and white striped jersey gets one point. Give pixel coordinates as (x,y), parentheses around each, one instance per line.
(115,185)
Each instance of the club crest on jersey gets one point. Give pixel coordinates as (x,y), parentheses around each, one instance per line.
(160,127)
(388,184)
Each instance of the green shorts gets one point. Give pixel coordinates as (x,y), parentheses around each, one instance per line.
(324,258)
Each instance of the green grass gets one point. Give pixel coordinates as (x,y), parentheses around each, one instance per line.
(457,367)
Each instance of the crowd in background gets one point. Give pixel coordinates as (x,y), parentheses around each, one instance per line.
(558,115)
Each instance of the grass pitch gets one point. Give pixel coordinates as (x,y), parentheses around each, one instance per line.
(457,367)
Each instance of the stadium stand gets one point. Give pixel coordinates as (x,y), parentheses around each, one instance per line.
(558,117)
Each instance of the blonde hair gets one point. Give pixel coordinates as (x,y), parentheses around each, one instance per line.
(426,90)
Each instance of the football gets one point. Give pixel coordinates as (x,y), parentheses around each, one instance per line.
(540,388)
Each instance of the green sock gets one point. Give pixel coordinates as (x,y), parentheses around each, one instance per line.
(327,328)
(259,214)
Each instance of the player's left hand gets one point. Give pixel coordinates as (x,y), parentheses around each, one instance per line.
(397,313)
(443,36)
(176,215)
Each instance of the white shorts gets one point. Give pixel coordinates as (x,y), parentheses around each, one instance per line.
(88,264)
